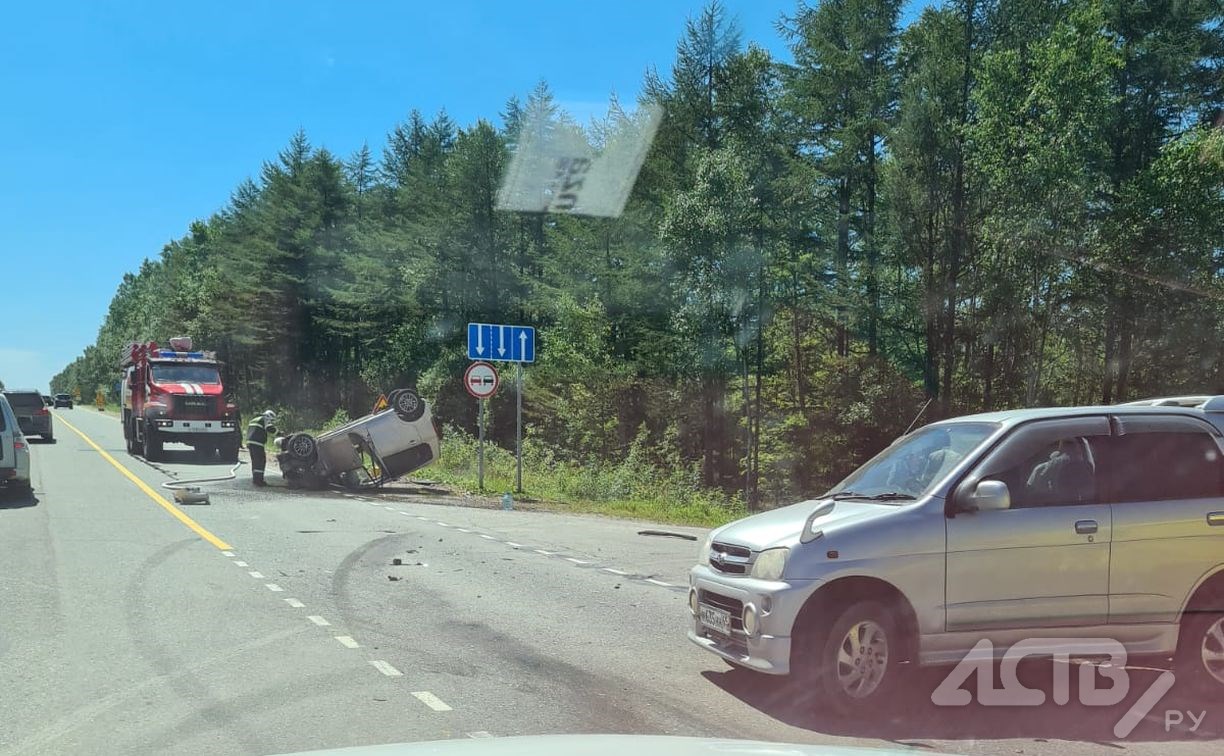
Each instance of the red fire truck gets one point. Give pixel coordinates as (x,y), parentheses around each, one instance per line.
(175,395)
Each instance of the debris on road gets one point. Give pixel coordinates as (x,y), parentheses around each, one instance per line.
(667,534)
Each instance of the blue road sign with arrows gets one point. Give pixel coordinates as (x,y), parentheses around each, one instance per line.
(501,343)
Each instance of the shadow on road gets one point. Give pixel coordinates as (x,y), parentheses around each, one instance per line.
(913,716)
(17,499)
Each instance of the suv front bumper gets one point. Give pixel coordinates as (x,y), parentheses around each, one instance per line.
(776,604)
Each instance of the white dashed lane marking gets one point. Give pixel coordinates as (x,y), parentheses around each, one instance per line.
(273,587)
(386,668)
(241,564)
(545,553)
(659,583)
(479,734)
(318,620)
(295,603)
(576,561)
(487,537)
(432,701)
(514,545)
(256,574)
(615,571)
(347,641)
(227,553)
(463,530)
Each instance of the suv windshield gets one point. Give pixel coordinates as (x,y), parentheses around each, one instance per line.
(915,463)
(185,374)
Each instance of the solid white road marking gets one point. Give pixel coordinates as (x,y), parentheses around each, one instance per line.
(386,668)
(430,700)
(576,561)
(347,641)
(614,571)
(242,564)
(658,582)
(295,603)
(273,587)
(318,620)
(227,553)
(255,574)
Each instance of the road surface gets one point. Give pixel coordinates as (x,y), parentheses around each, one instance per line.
(272,621)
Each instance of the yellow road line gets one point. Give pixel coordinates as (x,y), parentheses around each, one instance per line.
(196,527)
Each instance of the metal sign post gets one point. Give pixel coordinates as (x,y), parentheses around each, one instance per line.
(480,447)
(518,438)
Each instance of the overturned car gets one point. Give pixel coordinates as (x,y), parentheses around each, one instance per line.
(366,452)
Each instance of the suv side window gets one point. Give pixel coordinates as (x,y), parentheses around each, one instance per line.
(4,410)
(1044,463)
(1062,473)
(1161,466)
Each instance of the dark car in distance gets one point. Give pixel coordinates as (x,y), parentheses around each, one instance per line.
(63,400)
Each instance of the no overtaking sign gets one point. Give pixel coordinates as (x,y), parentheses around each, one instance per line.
(480,380)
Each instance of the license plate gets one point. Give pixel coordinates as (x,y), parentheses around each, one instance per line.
(718,620)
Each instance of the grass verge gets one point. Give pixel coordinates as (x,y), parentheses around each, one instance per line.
(631,488)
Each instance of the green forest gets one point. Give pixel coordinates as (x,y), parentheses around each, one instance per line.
(1003,203)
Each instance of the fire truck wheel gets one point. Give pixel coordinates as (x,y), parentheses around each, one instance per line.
(152,445)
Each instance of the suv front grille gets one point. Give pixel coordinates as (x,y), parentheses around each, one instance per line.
(729,558)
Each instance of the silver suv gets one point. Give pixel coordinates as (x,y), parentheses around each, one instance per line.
(1076,524)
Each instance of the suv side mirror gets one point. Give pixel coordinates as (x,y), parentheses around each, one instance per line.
(989,496)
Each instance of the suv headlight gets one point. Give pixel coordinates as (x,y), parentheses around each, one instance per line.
(770,563)
(703,556)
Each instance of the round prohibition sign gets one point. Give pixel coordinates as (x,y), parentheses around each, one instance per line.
(481,380)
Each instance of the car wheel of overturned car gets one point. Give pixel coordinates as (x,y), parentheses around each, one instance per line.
(392,397)
(408,405)
(1200,652)
(301,446)
(859,660)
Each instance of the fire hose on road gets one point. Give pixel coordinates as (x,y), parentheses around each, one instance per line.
(189,492)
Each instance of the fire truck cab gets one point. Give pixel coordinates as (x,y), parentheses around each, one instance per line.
(175,395)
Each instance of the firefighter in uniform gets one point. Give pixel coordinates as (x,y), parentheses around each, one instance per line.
(260,432)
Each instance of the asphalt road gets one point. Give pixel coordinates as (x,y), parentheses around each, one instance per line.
(272,621)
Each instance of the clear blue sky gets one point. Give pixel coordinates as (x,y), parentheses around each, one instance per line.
(125,120)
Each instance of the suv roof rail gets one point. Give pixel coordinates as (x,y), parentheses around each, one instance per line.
(1204,402)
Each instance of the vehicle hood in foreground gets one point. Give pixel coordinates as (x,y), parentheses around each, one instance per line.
(604,745)
(781,527)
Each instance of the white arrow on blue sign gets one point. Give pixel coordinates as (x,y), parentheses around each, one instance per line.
(501,343)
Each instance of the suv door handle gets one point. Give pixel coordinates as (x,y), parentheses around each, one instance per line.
(1085,527)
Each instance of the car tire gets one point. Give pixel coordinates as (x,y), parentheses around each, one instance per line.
(1199,662)
(302,447)
(860,658)
(408,405)
(392,397)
